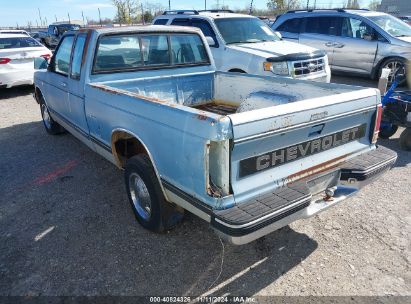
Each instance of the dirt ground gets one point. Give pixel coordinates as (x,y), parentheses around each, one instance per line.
(66,228)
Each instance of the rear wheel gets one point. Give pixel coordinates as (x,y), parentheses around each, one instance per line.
(405,139)
(51,126)
(150,208)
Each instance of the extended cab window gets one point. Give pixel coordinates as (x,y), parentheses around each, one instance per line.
(132,52)
(62,56)
(78,56)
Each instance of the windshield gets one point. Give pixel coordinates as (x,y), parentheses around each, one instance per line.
(18,42)
(392,25)
(244,30)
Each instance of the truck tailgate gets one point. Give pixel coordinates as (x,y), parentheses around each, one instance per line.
(284,143)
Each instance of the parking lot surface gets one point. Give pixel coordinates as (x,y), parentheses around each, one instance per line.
(66,228)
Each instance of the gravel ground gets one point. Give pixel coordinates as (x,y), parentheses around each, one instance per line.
(66,229)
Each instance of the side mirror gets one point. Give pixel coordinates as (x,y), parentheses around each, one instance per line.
(279,34)
(210,41)
(40,63)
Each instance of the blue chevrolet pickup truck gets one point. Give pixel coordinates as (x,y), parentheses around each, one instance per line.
(248,154)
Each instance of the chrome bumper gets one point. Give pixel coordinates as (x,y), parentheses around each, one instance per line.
(269,212)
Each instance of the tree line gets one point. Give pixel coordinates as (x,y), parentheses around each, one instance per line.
(135,12)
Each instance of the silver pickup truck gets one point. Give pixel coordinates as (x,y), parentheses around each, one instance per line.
(248,154)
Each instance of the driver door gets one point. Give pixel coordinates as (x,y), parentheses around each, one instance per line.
(57,78)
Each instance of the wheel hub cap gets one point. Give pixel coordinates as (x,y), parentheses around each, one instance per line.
(140,196)
(46,116)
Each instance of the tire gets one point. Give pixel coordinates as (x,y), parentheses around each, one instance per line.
(405,139)
(395,63)
(146,198)
(51,126)
(388,131)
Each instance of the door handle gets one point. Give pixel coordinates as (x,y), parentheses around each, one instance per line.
(339,45)
(329,44)
(63,84)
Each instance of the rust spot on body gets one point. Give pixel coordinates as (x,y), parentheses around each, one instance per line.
(201,117)
(124,92)
(328,165)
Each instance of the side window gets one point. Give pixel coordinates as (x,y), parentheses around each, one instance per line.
(181,22)
(323,25)
(62,56)
(155,50)
(160,21)
(290,26)
(205,27)
(187,49)
(78,56)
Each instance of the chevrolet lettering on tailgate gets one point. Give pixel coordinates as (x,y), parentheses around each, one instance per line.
(275,158)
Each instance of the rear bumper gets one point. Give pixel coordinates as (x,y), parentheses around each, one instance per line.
(269,212)
(16,78)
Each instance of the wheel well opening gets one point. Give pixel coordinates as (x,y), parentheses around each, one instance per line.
(125,146)
(38,95)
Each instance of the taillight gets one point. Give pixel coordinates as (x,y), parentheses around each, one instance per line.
(377,124)
(4,60)
(46,56)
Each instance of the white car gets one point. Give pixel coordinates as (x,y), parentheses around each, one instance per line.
(17,53)
(245,44)
(14,32)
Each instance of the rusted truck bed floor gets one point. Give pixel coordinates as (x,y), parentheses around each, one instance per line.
(217,108)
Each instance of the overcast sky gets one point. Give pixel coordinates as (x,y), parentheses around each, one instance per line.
(21,12)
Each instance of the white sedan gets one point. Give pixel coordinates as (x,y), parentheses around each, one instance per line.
(17,53)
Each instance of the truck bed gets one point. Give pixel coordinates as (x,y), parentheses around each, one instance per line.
(225,93)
